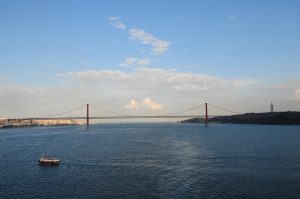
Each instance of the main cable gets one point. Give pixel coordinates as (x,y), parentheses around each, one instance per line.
(192,108)
(108,111)
(226,110)
(62,113)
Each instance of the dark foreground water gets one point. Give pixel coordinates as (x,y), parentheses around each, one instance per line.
(152,161)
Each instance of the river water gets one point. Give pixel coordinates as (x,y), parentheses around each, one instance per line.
(158,160)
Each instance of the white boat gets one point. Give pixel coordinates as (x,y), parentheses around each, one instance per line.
(45,160)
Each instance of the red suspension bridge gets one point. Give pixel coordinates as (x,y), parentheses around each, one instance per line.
(116,115)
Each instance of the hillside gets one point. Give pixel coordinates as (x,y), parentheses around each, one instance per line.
(279,118)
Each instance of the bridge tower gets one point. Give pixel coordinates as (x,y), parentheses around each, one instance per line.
(87,116)
(206,115)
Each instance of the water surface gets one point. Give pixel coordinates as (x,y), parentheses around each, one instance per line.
(152,161)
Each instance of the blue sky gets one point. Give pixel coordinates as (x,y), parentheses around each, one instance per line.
(242,51)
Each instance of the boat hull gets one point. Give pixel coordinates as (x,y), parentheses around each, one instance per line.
(50,163)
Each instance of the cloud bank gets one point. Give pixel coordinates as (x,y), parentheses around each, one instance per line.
(158,78)
(144,90)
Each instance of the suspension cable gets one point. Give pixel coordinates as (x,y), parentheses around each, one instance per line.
(226,110)
(108,111)
(186,109)
(69,111)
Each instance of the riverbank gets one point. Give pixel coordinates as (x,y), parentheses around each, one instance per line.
(24,123)
(28,126)
(273,118)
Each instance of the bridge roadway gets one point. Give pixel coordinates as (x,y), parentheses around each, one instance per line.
(123,117)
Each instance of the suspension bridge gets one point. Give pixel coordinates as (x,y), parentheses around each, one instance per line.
(116,115)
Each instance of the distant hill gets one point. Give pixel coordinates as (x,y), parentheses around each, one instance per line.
(279,118)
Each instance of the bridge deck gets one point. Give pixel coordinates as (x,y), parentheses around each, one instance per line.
(117,117)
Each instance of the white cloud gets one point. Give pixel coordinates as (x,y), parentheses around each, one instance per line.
(158,78)
(132,105)
(146,103)
(97,76)
(296,96)
(151,104)
(116,23)
(136,61)
(157,46)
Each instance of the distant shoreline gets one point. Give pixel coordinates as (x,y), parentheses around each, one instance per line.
(31,126)
(271,118)
(25,123)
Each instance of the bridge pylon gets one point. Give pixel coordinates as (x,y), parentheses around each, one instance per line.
(206,115)
(87,116)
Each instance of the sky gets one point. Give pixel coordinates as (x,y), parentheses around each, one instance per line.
(148,57)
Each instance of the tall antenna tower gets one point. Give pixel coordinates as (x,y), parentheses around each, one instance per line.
(271,108)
